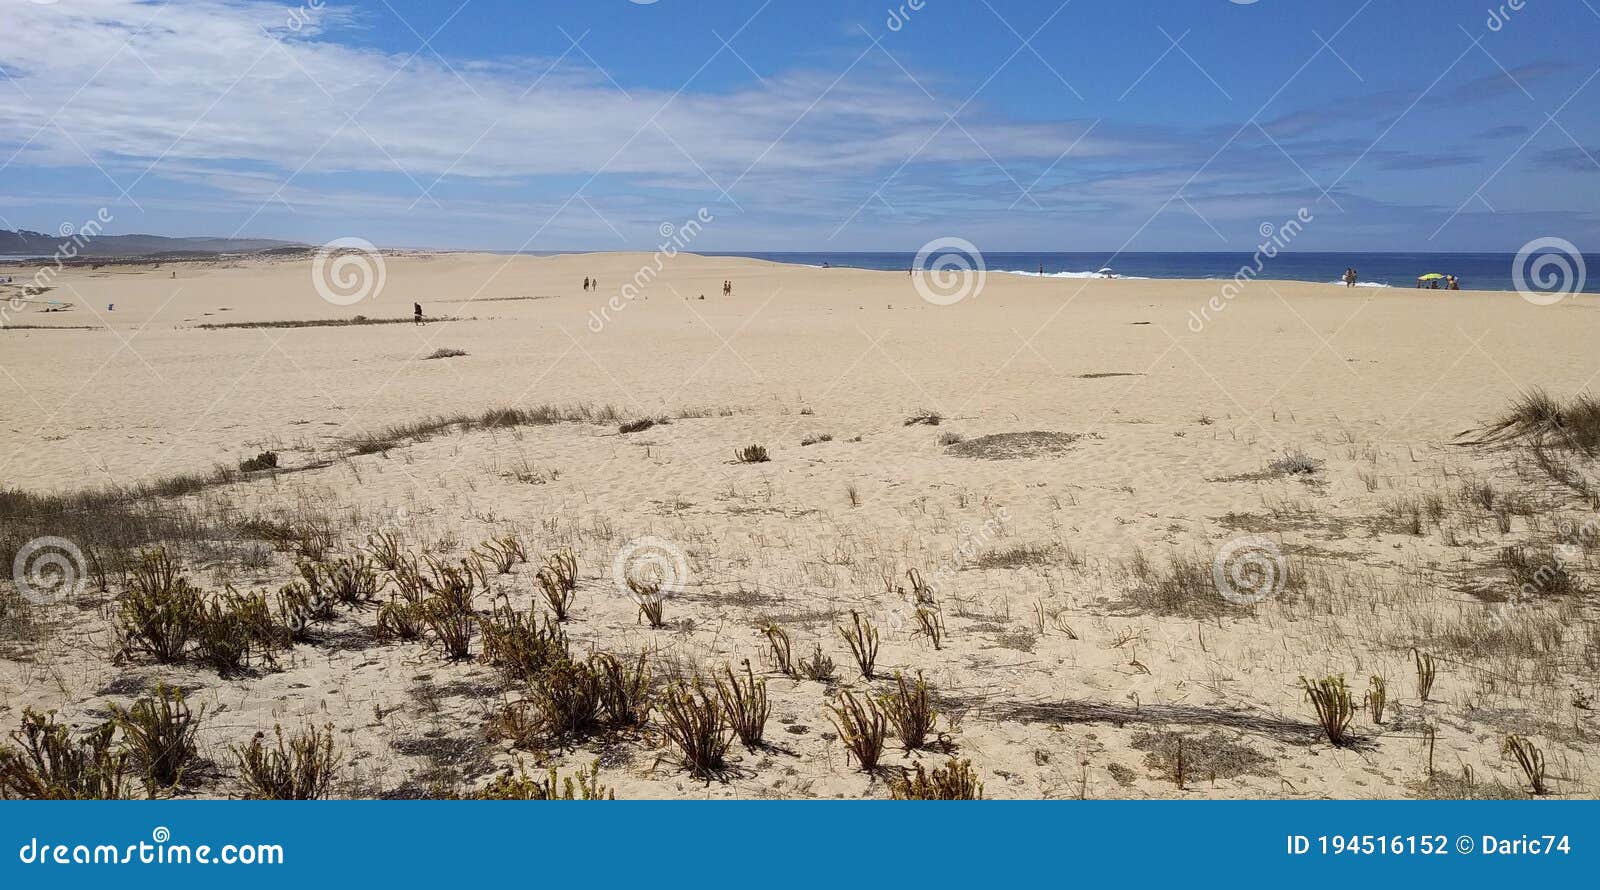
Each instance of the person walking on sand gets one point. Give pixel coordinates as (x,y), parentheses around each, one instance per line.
(416,313)
(586,284)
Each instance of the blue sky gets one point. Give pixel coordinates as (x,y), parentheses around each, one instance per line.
(819,125)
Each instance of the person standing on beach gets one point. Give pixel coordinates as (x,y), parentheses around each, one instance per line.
(586,284)
(416,313)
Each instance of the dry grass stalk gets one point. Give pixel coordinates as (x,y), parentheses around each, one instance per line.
(956,780)
(862,638)
(862,727)
(744,703)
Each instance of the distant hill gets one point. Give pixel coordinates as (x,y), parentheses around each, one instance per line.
(26,243)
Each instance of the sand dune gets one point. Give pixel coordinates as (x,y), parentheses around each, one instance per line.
(1061,672)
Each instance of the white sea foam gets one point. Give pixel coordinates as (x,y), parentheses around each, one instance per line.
(1364,284)
(1072,275)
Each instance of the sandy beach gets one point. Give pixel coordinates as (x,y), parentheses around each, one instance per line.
(1063,459)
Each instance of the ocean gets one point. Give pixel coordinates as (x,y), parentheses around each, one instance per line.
(1475,271)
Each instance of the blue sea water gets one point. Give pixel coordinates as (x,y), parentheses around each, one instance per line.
(1475,271)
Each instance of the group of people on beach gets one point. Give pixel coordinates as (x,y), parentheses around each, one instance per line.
(591,284)
(1350,277)
(727,288)
(1450,283)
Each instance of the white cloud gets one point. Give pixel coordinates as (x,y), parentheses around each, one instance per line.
(225,84)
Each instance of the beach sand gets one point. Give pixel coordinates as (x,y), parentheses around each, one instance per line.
(1060,673)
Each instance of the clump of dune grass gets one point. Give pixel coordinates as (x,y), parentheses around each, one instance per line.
(956,780)
(641,424)
(237,628)
(782,649)
(926,418)
(1537,572)
(818,667)
(862,727)
(582,785)
(1426,672)
(625,690)
(160,612)
(1012,446)
(445,352)
(1331,701)
(503,553)
(520,644)
(744,704)
(567,700)
(651,600)
(159,730)
(1295,463)
(382,440)
(1019,556)
(298,768)
(558,580)
(266,460)
(911,711)
(692,719)
(48,764)
(862,638)
(354,321)
(1186,587)
(1539,416)
(751,454)
(1531,759)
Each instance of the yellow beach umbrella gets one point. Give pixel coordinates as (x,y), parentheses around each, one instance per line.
(1431,276)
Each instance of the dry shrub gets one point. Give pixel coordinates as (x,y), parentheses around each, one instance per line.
(51,766)
(583,785)
(693,722)
(502,553)
(299,768)
(387,549)
(521,644)
(558,581)
(818,667)
(160,733)
(956,780)
(911,711)
(744,703)
(160,612)
(751,454)
(237,628)
(1531,759)
(1331,700)
(652,602)
(862,727)
(862,638)
(624,690)
(782,650)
